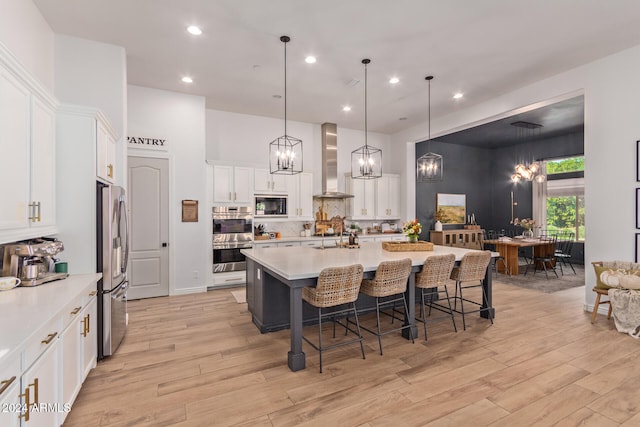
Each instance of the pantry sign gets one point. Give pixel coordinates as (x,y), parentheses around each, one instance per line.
(147,143)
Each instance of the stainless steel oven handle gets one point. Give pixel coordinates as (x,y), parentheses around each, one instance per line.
(232,246)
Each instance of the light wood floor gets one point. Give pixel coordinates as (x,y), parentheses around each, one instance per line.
(197,360)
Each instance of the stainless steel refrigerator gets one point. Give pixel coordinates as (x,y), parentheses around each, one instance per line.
(113,254)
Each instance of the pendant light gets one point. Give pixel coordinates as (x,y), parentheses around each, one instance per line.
(429,166)
(285,152)
(366,161)
(526,131)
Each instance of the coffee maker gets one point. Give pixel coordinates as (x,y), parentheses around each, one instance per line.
(33,261)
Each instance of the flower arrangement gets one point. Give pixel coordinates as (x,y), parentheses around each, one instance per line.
(526,223)
(412,228)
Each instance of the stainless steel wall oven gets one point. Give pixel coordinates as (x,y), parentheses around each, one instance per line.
(232,231)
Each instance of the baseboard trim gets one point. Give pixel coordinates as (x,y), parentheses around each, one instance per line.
(185,291)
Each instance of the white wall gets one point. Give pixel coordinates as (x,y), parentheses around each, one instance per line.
(94,74)
(610,86)
(29,37)
(244,139)
(180,120)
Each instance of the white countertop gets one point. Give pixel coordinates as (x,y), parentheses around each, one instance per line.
(24,310)
(326,238)
(301,262)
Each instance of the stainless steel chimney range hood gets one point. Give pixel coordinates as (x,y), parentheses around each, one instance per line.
(330,164)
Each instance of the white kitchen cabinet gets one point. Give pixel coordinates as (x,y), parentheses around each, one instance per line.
(105,152)
(362,205)
(265,245)
(300,190)
(232,184)
(388,197)
(27,164)
(311,243)
(89,336)
(265,182)
(9,393)
(39,385)
(366,239)
(392,238)
(288,244)
(231,278)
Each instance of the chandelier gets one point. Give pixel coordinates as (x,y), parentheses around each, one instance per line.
(530,171)
(285,152)
(366,161)
(429,166)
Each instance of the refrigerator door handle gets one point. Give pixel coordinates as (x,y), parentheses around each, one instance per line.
(123,207)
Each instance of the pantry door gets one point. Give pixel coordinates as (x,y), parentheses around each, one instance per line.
(149,207)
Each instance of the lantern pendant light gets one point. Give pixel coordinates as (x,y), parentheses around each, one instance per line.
(429,166)
(366,161)
(285,152)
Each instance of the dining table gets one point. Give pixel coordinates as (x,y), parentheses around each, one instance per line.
(276,276)
(509,248)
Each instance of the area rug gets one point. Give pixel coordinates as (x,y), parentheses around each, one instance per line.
(240,296)
(540,283)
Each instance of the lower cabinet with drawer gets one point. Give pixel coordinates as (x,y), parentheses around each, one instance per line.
(48,363)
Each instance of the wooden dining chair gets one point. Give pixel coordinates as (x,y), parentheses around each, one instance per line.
(546,259)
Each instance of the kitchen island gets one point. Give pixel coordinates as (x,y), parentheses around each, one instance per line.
(276,276)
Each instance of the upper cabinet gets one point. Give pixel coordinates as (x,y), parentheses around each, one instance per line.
(105,152)
(300,190)
(232,184)
(373,198)
(362,205)
(265,182)
(27,163)
(388,197)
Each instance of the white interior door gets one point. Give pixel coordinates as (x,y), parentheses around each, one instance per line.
(149,225)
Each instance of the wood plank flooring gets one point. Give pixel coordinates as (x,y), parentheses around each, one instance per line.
(197,360)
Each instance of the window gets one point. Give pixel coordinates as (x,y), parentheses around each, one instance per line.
(565,196)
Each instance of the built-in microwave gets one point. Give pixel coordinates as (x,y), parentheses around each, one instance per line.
(267,205)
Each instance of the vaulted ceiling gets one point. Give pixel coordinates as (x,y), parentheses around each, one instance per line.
(480,48)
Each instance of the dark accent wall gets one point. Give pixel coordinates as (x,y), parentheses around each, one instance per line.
(484,175)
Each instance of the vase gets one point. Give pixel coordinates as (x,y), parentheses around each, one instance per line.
(527,234)
(413,238)
(437,226)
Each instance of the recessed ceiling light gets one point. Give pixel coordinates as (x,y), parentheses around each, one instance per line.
(187,79)
(346,108)
(310,59)
(458,95)
(394,80)
(196,31)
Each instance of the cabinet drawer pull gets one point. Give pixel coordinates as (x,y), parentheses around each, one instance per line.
(27,403)
(93,293)
(50,338)
(35,391)
(76,310)
(6,384)
(85,330)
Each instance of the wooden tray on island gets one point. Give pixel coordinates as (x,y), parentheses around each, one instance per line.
(420,245)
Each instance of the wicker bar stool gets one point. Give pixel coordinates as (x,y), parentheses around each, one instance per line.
(473,268)
(432,282)
(390,281)
(336,286)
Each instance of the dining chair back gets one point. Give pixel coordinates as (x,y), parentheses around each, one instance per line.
(472,269)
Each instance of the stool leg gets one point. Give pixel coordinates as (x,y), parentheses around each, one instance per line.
(404,301)
(378,323)
(464,323)
(358,328)
(595,309)
(423,313)
(455,329)
(320,336)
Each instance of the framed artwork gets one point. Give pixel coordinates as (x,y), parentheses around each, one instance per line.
(189,211)
(638,161)
(452,207)
(637,258)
